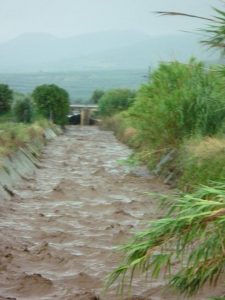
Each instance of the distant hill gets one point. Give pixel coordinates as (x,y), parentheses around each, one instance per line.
(110,50)
(80,84)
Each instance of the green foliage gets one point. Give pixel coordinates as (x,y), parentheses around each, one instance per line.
(6,117)
(183,106)
(216,31)
(52,102)
(179,101)
(97,94)
(18,96)
(114,101)
(23,110)
(6,96)
(187,245)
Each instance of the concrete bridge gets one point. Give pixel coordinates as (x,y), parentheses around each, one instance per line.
(84,111)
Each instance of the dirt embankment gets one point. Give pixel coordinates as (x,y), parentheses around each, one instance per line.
(59,230)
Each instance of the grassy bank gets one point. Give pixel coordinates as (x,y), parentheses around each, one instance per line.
(15,135)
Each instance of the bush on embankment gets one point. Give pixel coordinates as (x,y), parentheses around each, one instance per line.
(180,102)
(23,110)
(115,100)
(6,98)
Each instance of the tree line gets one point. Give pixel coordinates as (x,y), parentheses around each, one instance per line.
(48,101)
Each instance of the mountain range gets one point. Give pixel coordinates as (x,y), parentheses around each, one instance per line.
(109,50)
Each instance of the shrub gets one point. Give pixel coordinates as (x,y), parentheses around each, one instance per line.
(23,110)
(116,100)
(6,96)
(97,94)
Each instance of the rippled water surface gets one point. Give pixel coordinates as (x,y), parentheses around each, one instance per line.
(59,232)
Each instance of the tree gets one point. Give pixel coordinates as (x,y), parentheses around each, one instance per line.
(6,96)
(97,94)
(116,100)
(52,102)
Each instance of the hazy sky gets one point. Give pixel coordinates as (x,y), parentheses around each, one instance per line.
(65,18)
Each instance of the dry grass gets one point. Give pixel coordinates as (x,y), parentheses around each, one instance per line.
(202,160)
(129,133)
(206,148)
(13,135)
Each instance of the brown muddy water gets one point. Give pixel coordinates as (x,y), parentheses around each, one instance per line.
(58,234)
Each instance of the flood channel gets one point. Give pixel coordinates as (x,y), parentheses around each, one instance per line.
(59,232)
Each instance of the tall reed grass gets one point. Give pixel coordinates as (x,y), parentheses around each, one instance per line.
(180,100)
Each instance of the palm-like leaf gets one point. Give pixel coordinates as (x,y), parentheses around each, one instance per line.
(215,32)
(174,13)
(192,238)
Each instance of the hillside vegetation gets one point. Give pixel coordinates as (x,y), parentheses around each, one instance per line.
(182,107)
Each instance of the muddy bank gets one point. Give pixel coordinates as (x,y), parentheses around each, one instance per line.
(59,230)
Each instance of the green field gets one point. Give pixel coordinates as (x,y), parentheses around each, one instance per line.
(80,85)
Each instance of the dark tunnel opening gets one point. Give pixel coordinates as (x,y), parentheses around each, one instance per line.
(76,120)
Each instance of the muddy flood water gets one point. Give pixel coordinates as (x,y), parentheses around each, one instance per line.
(59,231)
